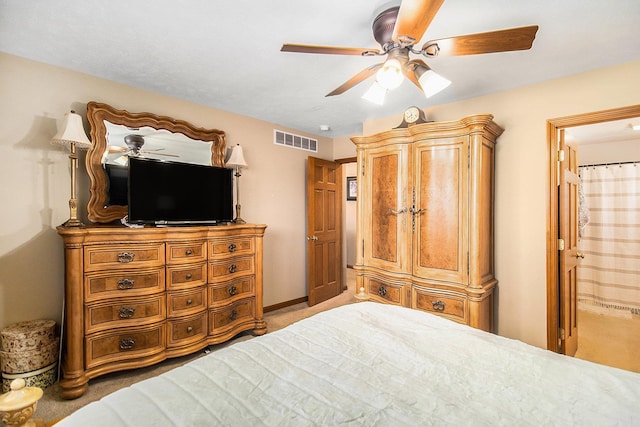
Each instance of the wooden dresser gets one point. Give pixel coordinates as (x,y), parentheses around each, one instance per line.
(136,296)
(424,229)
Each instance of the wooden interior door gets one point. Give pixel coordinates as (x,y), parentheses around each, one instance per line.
(324,230)
(568,247)
(439,215)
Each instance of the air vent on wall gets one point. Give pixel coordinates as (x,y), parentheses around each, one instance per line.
(295,141)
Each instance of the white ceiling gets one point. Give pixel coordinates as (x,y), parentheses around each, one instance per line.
(227,54)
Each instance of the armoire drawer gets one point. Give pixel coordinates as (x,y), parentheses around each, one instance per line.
(100,285)
(224,293)
(187,330)
(222,248)
(124,312)
(448,305)
(124,344)
(223,319)
(186,276)
(130,255)
(390,293)
(230,268)
(186,252)
(184,303)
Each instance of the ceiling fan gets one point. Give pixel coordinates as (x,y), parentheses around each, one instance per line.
(397,30)
(134,148)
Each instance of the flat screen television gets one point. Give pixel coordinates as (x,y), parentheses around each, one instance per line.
(172,193)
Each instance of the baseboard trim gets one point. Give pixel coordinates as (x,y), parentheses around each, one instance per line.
(285,304)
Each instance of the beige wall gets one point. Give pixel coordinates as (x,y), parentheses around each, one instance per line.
(609,152)
(35,183)
(522,181)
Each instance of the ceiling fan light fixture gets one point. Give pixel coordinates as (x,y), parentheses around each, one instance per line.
(390,75)
(375,94)
(430,81)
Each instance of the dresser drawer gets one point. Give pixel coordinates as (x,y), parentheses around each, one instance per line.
(124,344)
(222,248)
(186,331)
(230,268)
(389,293)
(187,302)
(186,252)
(235,289)
(448,305)
(131,255)
(124,312)
(186,276)
(223,319)
(130,283)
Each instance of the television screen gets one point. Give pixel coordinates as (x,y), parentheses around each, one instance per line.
(162,192)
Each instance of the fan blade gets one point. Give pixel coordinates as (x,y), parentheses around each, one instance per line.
(413,19)
(362,75)
(332,50)
(117,149)
(494,41)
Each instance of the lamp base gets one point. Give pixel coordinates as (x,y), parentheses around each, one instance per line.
(239,221)
(73,222)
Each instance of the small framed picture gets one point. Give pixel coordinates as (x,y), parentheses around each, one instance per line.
(352,188)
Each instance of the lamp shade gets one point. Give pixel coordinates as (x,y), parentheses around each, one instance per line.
(430,81)
(375,94)
(72,132)
(237,158)
(390,75)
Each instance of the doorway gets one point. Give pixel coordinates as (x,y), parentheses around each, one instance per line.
(557,306)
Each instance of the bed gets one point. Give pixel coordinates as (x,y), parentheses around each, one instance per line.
(370,364)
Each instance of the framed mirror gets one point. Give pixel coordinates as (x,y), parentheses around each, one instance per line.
(118,135)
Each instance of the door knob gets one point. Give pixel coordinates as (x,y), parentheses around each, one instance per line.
(312,238)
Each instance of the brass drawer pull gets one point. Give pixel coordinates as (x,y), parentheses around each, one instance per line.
(126,312)
(189,276)
(189,252)
(233,315)
(189,301)
(127,343)
(233,290)
(382,291)
(125,257)
(232,247)
(125,284)
(438,305)
(189,328)
(233,268)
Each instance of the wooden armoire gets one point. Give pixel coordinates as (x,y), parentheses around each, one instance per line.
(425,218)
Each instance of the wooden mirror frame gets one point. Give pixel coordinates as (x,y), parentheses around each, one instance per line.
(97,209)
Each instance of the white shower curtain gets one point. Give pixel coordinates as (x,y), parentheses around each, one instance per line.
(609,274)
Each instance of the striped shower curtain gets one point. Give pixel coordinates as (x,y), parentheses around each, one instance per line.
(609,274)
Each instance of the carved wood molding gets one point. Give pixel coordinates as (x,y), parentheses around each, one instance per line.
(97,209)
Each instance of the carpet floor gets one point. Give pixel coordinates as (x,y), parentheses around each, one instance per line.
(51,407)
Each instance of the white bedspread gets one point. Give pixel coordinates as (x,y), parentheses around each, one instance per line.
(370,364)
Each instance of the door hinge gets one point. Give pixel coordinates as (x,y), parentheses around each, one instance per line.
(362,168)
(561,244)
(561,334)
(561,155)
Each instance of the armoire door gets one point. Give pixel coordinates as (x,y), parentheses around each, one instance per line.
(440,212)
(385,238)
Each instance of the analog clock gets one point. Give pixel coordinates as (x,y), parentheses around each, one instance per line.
(412,116)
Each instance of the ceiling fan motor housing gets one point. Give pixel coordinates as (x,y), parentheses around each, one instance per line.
(383,26)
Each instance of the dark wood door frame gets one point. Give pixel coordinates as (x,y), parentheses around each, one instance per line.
(553,127)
